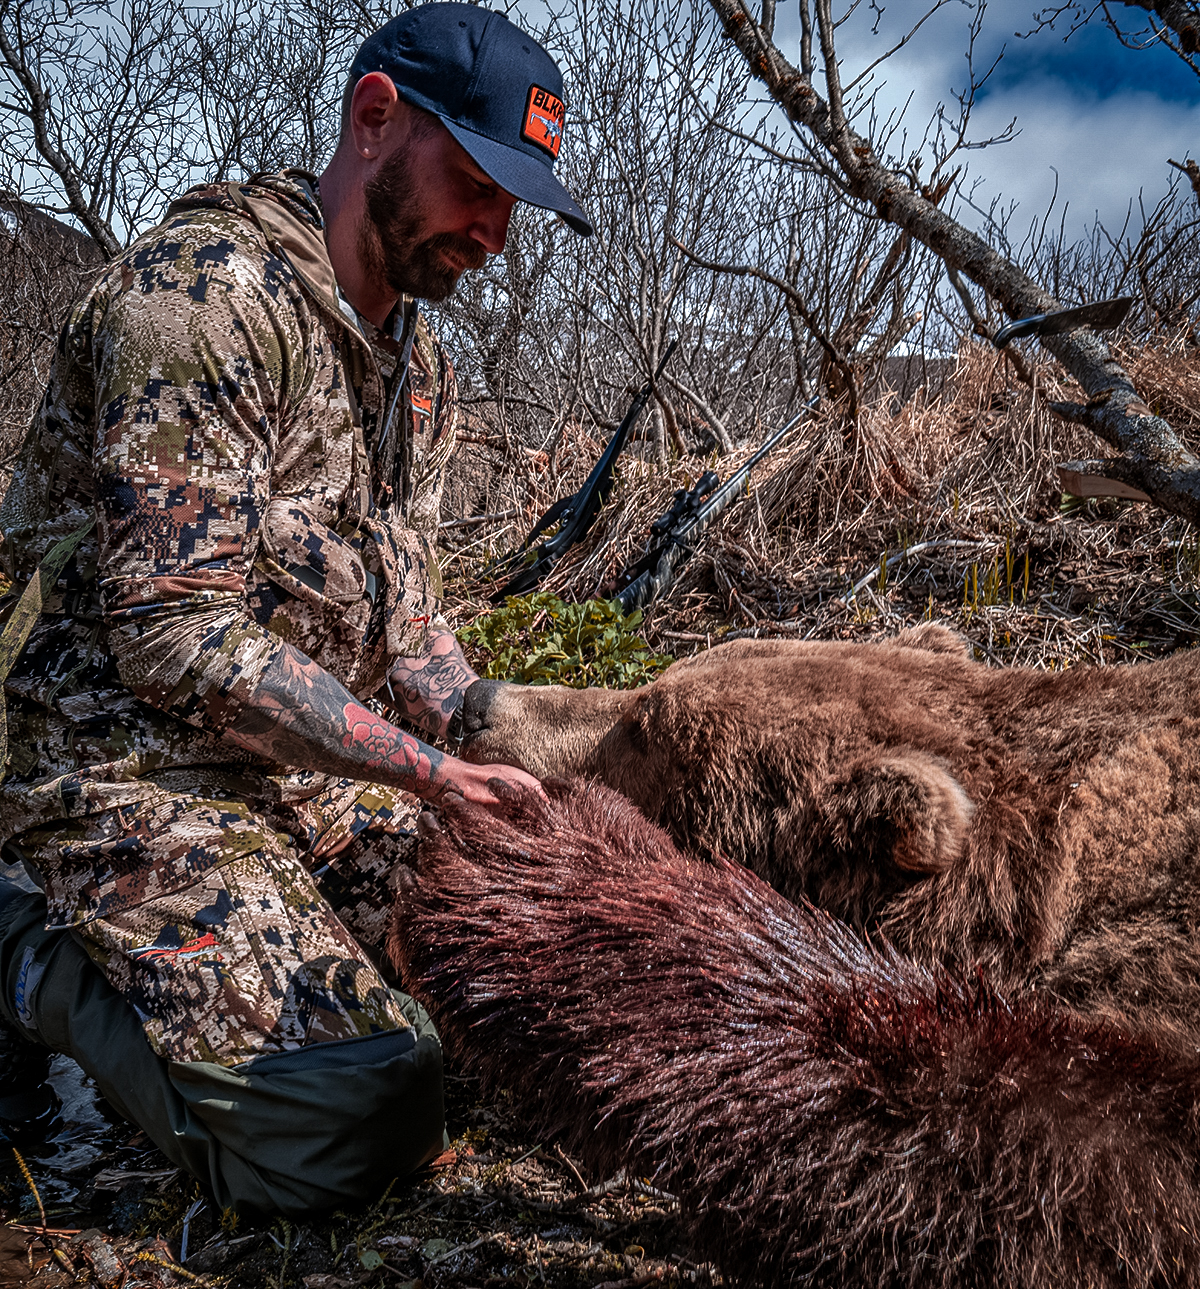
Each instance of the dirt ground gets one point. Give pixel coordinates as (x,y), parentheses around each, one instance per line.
(499,1207)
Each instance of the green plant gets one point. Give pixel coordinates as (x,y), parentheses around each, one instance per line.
(541,640)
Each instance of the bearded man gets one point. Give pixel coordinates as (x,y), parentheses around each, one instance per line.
(228,501)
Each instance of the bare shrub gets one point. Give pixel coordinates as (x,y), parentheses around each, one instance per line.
(44,264)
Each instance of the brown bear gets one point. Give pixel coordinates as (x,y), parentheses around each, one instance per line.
(829,1112)
(1044,824)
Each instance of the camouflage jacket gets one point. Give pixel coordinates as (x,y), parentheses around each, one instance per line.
(259,469)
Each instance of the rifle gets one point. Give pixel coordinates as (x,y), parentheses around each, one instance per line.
(674,536)
(575,513)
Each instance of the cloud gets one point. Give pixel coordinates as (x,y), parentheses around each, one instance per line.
(1106,150)
(1105,117)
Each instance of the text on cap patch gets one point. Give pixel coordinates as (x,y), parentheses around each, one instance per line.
(544,115)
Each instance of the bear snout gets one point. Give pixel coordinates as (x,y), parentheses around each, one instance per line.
(477,707)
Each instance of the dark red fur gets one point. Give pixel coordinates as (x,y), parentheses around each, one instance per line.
(1045,824)
(830,1113)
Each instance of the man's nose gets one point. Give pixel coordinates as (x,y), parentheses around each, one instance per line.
(490,228)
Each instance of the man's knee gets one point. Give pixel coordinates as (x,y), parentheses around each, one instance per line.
(26,948)
(294,1133)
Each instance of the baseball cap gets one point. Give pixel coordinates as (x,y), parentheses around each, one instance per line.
(493,87)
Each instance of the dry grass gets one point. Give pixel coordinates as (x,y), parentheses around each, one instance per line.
(947,509)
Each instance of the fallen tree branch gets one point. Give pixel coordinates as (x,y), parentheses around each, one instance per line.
(1109,478)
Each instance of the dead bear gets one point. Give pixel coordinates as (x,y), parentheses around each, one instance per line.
(1045,824)
(829,1113)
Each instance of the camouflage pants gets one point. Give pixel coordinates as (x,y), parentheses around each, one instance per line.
(235,927)
(294,1133)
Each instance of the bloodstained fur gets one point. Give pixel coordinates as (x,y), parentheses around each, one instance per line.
(827,1111)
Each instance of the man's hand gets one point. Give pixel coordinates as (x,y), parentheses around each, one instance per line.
(429,690)
(475,782)
(300,716)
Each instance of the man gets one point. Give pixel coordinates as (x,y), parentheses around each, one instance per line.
(231,488)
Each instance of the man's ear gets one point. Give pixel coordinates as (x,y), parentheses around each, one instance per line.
(904,806)
(376,113)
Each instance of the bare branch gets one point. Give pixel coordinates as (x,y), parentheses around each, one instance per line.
(1182,16)
(981,327)
(15,52)
(836,357)
(1169,471)
(1192,170)
(715,423)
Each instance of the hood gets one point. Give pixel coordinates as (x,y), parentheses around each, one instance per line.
(286,208)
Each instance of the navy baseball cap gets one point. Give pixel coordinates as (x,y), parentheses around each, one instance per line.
(493,87)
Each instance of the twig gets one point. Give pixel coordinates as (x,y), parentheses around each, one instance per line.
(770,626)
(562,1154)
(988,333)
(844,600)
(476,519)
(514,1162)
(644,1188)
(836,357)
(43,1230)
(197,1205)
(173,1267)
(605,1187)
(32,1186)
(490,1238)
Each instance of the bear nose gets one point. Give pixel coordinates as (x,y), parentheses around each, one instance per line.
(477,704)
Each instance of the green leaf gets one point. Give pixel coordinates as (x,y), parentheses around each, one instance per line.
(371,1259)
(589,643)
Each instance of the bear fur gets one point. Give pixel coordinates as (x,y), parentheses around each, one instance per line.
(829,1113)
(1043,824)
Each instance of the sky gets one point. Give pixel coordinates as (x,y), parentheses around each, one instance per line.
(1106,118)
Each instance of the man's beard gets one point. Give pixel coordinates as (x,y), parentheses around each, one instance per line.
(390,246)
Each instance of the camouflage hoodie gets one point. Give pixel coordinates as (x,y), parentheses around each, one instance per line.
(258,471)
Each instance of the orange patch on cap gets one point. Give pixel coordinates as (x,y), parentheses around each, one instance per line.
(544,115)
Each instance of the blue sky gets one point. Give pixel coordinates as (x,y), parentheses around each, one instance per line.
(1103,117)
(1092,62)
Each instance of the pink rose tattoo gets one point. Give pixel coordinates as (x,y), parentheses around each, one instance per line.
(383,744)
(299,715)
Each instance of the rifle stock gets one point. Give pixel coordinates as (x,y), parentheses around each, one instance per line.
(576,513)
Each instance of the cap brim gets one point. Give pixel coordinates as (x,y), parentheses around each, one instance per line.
(524,176)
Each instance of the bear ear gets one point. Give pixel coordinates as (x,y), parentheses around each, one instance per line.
(933,638)
(905,802)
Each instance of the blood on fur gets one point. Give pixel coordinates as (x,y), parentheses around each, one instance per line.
(829,1112)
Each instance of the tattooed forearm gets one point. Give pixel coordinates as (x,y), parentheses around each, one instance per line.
(429,690)
(300,716)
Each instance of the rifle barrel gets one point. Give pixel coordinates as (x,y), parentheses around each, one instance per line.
(580,509)
(675,547)
(733,484)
